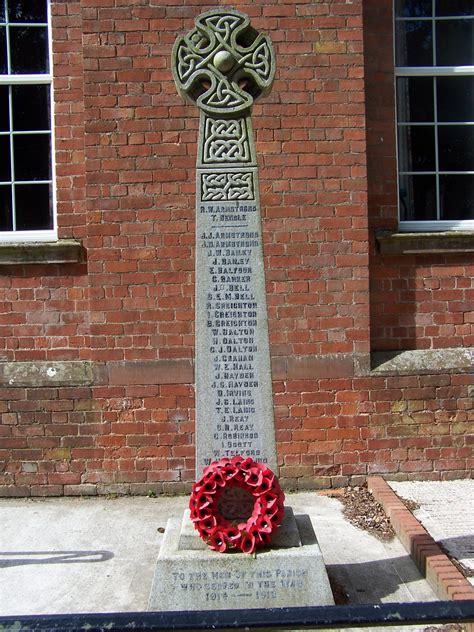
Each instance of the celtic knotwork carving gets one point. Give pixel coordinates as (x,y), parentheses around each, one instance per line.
(226,140)
(222,23)
(259,61)
(226,186)
(223,63)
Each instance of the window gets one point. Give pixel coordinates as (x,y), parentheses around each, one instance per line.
(26,136)
(434,58)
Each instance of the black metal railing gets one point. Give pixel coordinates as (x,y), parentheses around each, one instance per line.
(309,618)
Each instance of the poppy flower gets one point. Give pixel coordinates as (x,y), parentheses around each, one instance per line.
(254,477)
(247,544)
(218,542)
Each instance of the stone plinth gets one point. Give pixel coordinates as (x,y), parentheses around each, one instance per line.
(190,579)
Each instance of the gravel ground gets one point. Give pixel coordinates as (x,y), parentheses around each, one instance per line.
(363,511)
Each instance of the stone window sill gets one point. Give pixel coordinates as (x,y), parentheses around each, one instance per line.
(393,243)
(423,361)
(61,251)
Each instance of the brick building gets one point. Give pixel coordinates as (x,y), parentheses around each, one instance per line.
(368,242)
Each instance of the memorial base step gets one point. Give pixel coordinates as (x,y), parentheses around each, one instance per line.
(202,579)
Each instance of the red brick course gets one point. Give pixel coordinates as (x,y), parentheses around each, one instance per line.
(139,437)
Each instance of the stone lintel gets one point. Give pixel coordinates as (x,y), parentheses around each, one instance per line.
(61,251)
(55,373)
(46,374)
(181,371)
(448,242)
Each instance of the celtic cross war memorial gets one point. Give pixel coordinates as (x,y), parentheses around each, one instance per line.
(222,65)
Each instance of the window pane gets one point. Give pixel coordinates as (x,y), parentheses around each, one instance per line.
(416,148)
(417,198)
(32,157)
(29,49)
(3,52)
(457,197)
(456,148)
(27,11)
(33,207)
(454,7)
(5,168)
(455,98)
(455,42)
(2,11)
(31,107)
(4,110)
(414,43)
(6,208)
(413,8)
(415,99)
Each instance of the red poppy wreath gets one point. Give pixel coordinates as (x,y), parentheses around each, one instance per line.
(237,504)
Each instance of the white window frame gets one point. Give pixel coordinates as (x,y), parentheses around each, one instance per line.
(430,71)
(34,79)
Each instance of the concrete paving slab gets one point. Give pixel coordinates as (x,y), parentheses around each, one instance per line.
(371,571)
(446,510)
(69,555)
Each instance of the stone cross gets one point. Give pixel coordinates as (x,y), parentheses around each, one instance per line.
(223,65)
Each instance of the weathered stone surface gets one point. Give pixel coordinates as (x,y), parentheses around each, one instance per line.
(234,407)
(313,367)
(44,374)
(211,60)
(390,243)
(423,361)
(62,251)
(151,372)
(206,580)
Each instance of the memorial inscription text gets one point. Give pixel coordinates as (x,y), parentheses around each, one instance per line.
(231,248)
(265,585)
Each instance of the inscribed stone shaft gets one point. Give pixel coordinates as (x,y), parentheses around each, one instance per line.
(222,64)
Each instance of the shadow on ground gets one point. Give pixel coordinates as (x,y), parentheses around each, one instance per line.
(23,558)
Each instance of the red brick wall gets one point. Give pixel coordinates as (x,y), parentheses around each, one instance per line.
(332,431)
(140,162)
(44,308)
(416,302)
(139,439)
(126,146)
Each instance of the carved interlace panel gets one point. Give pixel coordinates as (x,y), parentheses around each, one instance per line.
(226,140)
(227,186)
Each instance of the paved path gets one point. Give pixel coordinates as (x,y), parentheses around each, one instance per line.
(61,555)
(446,510)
